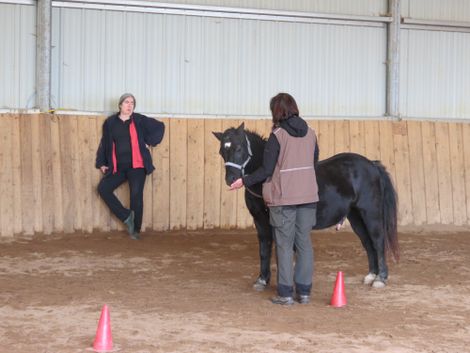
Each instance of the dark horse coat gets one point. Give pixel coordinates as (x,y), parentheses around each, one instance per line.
(350,186)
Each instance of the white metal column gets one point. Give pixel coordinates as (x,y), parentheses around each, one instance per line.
(393,60)
(43,55)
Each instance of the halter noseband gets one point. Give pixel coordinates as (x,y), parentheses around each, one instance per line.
(242,166)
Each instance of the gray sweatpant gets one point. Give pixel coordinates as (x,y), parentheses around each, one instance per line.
(292,226)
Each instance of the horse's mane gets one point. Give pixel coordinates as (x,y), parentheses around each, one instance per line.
(256,140)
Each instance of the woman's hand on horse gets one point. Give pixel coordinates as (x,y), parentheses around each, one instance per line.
(237,184)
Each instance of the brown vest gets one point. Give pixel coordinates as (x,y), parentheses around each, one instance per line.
(293,181)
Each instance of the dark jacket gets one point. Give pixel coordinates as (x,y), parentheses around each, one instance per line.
(149,132)
(296,127)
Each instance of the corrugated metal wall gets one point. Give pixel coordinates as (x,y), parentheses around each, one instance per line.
(17,58)
(356,7)
(435,74)
(449,10)
(209,66)
(214,66)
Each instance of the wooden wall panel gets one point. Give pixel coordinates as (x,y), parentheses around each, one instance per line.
(326,139)
(6,177)
(16,175)
(212,171)
(178,172)
(161,182)
(418,189)
(444,173)
(402,174)
(466,156)
(341,136)
(46,161)
(458,174)
(48,183)
(27,179)
(372,140)
(194,211)
(430,171)
(36,171)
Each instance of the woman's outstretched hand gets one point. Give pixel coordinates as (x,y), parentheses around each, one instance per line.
(237,184)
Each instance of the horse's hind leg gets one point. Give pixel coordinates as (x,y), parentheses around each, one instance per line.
(360,229)
(376,234)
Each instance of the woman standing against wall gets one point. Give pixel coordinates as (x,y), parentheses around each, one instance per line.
(123,154)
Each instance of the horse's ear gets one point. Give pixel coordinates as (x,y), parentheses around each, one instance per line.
(241,127)
(218,135)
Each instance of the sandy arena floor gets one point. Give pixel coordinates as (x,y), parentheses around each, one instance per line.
(191,292)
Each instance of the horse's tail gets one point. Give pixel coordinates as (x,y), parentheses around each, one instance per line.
(389,211)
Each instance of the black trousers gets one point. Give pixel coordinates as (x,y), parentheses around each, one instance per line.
(136,180)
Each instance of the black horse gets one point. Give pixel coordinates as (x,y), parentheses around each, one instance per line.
(350,186)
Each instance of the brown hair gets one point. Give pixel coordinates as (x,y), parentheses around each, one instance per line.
(282,106)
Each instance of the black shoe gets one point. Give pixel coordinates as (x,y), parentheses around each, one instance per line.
(129,222)
(282,300)
(303,299)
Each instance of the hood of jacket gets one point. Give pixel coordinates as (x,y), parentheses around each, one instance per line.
(295,126)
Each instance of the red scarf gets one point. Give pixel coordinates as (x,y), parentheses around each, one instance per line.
(137,160)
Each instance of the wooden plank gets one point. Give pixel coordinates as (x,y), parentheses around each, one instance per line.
(228,199)
(244,218)
(466,147)
(372,140)
(48,187)
(444,175)
(431,179)
(105,218)
(147,217)
(68,129)
(27,191)
(16,175)
(178,177)
(95,137)
(418,188)
(36,170)
(402,172)
(357,137)
(194,211)
(86,162)
(161,182)
(326,138)
(387,155)
(341,134)
(457,173)
(212,174)
(6,176)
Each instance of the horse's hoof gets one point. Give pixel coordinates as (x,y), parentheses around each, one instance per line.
(260,284)
(378,283)
(369,278)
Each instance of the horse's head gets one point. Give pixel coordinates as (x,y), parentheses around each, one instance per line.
(235,150)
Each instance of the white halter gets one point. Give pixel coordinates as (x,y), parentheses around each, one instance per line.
(242,166)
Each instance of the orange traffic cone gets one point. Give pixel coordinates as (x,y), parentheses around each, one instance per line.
(338,299)
(103,340)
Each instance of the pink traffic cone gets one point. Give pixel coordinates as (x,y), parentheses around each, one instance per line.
(338,299)
(103,340)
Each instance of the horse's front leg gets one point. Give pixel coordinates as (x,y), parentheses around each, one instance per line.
(265,241)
